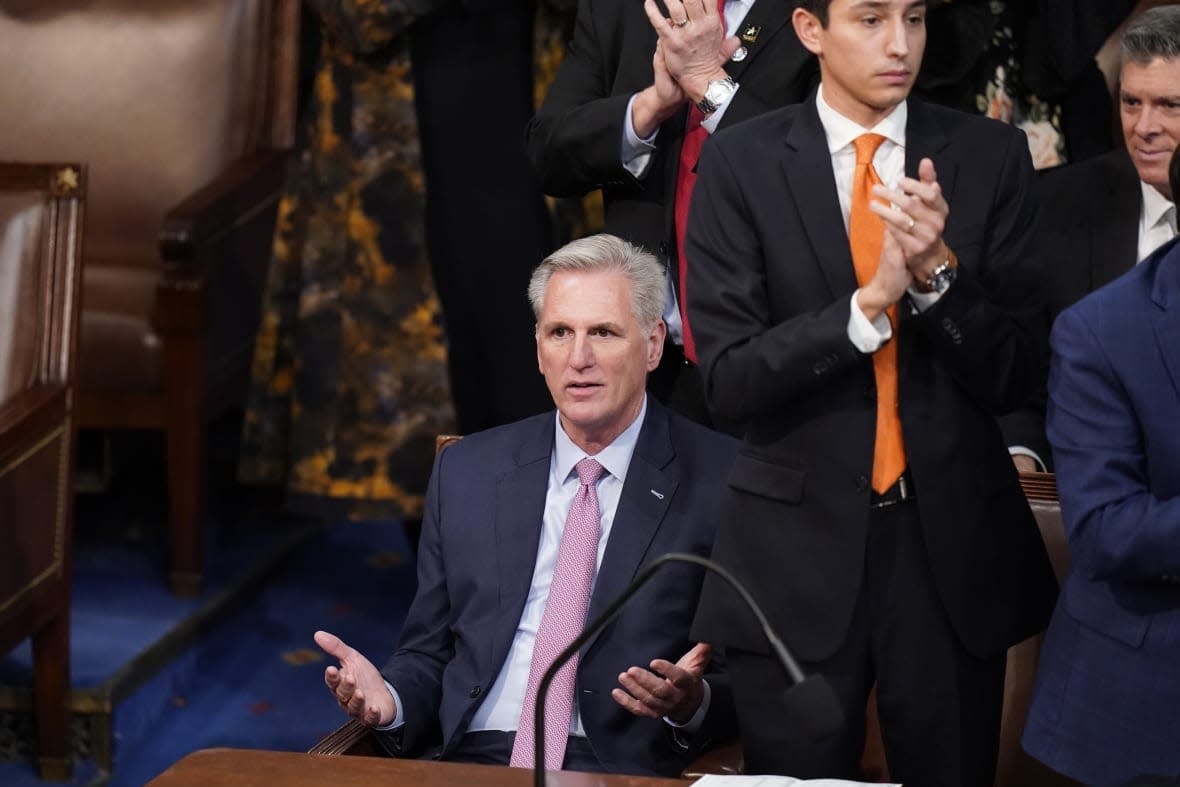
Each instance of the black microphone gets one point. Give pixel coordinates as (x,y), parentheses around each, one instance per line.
(810,702)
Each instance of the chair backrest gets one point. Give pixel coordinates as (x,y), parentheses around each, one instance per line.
(41,208)
(40,236)
(155,97)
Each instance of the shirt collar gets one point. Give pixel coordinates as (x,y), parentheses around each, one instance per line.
(840,131)
(1155,205)
(616,457)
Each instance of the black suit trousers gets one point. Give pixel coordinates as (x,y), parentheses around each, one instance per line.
(939,705)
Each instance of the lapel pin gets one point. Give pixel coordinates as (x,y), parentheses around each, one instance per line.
(740,54)
(658,495)
(750,33)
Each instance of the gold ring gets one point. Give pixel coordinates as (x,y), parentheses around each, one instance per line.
(682,22)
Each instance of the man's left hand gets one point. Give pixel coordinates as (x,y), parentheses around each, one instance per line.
(666,689)
(916,219)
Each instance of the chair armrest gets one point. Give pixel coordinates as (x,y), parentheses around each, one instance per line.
(28,416)
(353,738)
(251,184)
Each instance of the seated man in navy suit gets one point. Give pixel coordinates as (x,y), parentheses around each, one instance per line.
(1105,704)
(497,546)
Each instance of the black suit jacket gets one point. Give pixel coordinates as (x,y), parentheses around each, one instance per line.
(773,278)
(1089,225)
(1088,229)
(575,140)
(479,544)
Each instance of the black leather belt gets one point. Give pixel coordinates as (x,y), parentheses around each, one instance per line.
(902,491)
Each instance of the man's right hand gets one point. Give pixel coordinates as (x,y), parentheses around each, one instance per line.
(356,684)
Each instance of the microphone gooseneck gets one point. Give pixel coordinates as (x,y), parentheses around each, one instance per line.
(815,704)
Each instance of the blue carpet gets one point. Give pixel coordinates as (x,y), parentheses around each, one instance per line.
(240,667)
(256,681)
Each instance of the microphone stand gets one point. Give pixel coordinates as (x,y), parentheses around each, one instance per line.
(789,665)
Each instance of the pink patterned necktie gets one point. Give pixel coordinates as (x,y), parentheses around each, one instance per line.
(565,614)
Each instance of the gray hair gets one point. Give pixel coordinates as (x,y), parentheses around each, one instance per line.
(606,253)
(1154,33)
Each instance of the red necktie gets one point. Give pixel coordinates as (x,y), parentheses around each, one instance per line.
(866,234)
(561,623)
(690,151)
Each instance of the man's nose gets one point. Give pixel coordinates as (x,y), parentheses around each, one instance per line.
(581,353)
(898,42)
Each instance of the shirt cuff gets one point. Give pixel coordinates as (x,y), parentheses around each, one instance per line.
(636,151)
(698,718)
(711,122)
(1020,450)
(399,719)
(923,300)
(867,336)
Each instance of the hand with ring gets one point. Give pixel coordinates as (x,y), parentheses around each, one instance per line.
(915,214)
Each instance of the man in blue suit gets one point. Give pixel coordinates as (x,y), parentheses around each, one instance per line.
(456,687)
(1105,707)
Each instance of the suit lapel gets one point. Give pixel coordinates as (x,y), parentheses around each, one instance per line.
(520,507)
(807,165)
(1165,317)
(764,20)
(924,138)
(1115,224)
(646,496)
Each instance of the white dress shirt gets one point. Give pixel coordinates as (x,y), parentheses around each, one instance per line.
(1157,221)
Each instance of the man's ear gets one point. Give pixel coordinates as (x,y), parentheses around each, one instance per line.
(808,28)
(655,345)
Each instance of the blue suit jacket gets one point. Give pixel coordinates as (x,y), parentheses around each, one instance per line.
(1107,702)
(479,543)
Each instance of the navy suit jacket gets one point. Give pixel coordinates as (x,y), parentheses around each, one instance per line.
(770,283)
(475,564)
(1105,707)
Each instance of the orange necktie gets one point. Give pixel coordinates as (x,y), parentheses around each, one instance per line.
(866,234)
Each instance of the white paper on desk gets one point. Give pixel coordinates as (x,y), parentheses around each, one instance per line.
(713,780)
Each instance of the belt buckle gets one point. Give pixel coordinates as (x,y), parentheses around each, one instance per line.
(900,492)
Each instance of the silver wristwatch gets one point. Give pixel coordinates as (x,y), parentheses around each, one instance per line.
(942,276)
(716,93)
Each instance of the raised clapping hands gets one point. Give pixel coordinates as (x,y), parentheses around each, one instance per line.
(666,689)
(915,215)
(356,684)
(690,52)
(916,219)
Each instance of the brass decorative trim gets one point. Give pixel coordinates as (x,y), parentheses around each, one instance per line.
(55,565)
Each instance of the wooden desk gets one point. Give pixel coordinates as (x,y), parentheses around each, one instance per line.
(255,768)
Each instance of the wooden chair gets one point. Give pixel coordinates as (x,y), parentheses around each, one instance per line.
(41,209)
(182,112)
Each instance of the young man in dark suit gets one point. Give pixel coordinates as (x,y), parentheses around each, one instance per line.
(494,544)
(867,300)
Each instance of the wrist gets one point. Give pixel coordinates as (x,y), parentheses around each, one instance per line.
(648,112)
(694,86)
